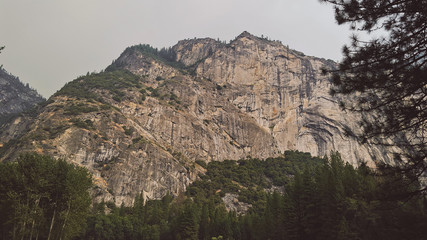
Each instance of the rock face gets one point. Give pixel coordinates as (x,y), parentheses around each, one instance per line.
(15,97)
(232,204)
(140,125)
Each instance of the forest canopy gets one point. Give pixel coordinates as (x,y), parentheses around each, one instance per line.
(43,198)
(323,199)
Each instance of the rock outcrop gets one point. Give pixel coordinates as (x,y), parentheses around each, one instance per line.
(232,204)
(15,97)
(141,125)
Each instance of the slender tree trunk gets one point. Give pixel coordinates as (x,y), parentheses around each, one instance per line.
(26,216)
(14,229)
(34,220)
(23,229)
(32,228)
(51,224)
(65,220)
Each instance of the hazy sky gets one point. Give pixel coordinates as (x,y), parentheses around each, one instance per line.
(51,42)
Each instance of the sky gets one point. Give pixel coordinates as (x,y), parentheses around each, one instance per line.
(51,42)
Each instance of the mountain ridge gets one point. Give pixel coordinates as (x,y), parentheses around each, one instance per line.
(140,126)
(15,97)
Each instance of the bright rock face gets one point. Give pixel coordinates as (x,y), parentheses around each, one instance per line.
(252,97)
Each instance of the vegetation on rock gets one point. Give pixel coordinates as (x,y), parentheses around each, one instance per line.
(112,81)
(164,55)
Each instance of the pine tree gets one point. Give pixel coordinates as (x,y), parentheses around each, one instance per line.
(204,223)
(188,222)
(273,217)
(41,197)
(387,76)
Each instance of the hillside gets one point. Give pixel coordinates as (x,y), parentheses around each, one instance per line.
(140,125)
(15,97)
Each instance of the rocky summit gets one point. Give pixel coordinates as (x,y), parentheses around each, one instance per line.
(143,124)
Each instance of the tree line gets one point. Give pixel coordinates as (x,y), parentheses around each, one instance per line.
(327,199)
(323,198)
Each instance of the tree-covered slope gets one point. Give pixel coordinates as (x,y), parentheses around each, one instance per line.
(323,199)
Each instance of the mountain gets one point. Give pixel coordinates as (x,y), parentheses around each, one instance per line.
(145,123)
(15,97)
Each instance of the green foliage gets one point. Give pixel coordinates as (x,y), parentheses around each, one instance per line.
(165,55)
(87,124)
(43,132)
(386,75)
(38,134)
(202,163)
(41,197)
(173,97)
(128,131)
(188,222)
(137,140)
(112,81)
(248,177)
(143,94)
(55,130)
(79,108)
(324,199)
(10,144)
(161,219)
(155,92)
(337,201)
(162,93)
(143,91)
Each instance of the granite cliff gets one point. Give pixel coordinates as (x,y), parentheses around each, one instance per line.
(141,124)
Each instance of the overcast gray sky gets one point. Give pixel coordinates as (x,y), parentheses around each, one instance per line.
(51,42)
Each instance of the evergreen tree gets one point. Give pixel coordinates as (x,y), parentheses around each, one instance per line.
(188,222)
(204,223)
(328,201)
(43,198)
(387,76)
(273,217)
